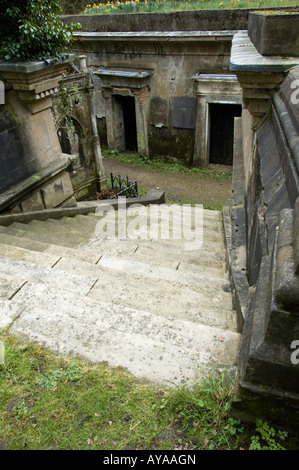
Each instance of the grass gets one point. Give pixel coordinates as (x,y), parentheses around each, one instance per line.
(155,6)
(142,161)
(50,402)
(53,402)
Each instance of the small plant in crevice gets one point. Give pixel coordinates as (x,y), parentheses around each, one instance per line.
(67,98)
(268,438)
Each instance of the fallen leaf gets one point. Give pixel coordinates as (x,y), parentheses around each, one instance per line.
(79,443)
(205,442)
(89,442)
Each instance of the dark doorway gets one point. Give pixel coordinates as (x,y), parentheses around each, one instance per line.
(222,132)
(129,116)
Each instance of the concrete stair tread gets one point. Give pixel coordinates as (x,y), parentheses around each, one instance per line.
(135,339)
(204,302)
(150,306)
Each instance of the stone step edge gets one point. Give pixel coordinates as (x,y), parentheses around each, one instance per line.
(127,266)
(180,327)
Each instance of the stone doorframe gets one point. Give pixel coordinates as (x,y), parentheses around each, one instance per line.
(133,83)
(210,88)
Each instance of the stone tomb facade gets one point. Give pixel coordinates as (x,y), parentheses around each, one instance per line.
(161,93)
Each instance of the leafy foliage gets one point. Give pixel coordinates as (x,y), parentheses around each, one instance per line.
(73,7)
(268,438)
(33,30)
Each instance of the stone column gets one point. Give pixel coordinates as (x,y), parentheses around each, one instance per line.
(142,113)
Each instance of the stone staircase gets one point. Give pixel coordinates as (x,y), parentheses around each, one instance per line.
(148,305)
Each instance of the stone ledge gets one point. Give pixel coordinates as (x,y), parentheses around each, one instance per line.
(246,58)
(83,208)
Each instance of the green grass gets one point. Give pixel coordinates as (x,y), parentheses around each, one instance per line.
(142,161)
(155,6)
(51,402)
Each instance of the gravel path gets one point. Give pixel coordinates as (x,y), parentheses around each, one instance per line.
(185,187)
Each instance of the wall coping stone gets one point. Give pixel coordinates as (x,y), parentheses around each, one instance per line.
(33,66)
(246,58)
(154,196)
(150,35)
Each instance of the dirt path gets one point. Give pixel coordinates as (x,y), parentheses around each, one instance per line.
(185,187)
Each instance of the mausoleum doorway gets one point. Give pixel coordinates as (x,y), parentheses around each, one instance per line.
(221,132)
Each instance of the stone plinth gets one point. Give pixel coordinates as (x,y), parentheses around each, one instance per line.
(275,33)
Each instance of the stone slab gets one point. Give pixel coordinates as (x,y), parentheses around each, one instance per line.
(13,252)
(245,58)
(9,285)
(150,347)
(37,273)
(158,296)
(9,311)
(160,272)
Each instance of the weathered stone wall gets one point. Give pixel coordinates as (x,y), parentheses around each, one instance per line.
(77,135)
(198,20)
(34,173)
(264,210)
(174,60)
(13,167)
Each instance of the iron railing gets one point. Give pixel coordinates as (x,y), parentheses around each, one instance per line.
(123,187)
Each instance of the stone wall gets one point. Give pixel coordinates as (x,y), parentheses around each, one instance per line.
(34,167)
(78,139)
(264,232)
(164,66)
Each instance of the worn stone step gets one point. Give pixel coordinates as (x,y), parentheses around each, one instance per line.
(196,303)
(35,245)
(37,273)
(22,254)
(9,285)
(200,259)
(184,277)
(49,234)
(9,311)
(151,347)
(23,242)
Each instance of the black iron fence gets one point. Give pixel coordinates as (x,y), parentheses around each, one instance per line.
(123,187)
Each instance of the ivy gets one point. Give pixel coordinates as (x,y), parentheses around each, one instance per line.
(33,30)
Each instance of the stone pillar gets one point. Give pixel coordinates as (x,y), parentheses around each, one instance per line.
(142,113)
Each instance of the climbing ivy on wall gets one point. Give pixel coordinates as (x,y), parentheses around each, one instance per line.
(33,30)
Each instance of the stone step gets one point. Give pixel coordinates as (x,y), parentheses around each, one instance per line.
(96,227)
(204,303)
(39,273)
(9,285)
(35,245)
(48,234)
(193,302)
(151,347)
(185,277)
(22,254)
(23,242)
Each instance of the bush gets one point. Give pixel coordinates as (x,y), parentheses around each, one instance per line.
(73,7)
(33,30)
